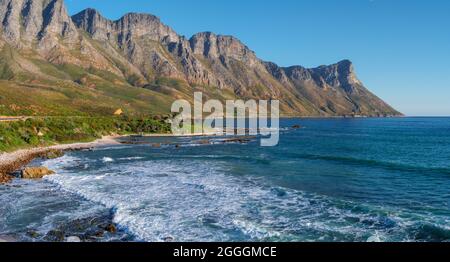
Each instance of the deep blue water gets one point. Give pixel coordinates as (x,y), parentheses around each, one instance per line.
(332,180)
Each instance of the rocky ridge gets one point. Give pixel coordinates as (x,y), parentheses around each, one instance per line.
(140,51)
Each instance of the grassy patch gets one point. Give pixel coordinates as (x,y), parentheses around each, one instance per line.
(57,130)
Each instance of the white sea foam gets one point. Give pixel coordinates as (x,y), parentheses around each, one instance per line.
(131,158)
(107,159)
(194,200)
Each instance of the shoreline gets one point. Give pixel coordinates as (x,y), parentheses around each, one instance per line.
(13,161)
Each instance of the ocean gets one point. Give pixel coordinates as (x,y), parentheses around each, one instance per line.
(333,180)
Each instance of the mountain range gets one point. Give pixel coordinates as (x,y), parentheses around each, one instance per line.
(52,63)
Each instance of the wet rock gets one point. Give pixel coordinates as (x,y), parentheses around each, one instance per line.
(296,127)
(168,239)
(156,145)
(99,233)
(36,172)
(16,173)
(238,140)
(33,234)
(111,228)
(88,229)
(55,236)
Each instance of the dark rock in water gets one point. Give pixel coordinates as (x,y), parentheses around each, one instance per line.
(168,239)
(33,234)
(16,174)
(111,228)
(55,236)
(177,146)
(36,172)
(296,127)
(86,229)
(100,233)
(13,186)
(279,192)
(243,140)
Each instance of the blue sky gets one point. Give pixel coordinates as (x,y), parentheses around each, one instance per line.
(400,48)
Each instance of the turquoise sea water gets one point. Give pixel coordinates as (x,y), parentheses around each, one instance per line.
(332,180)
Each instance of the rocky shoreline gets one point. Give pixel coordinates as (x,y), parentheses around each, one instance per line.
(90,229)
(12,162)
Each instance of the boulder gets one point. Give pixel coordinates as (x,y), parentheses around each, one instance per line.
(36,172)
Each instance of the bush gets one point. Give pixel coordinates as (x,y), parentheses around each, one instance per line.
(56,130)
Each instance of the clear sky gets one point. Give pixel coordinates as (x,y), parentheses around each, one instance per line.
(400,48)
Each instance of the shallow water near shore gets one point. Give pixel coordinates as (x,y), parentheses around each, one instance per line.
(333,180)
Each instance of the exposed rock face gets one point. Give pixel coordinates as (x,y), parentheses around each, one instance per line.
(140,50)
(25,21)
(36,172)
(139,37)
(335,89)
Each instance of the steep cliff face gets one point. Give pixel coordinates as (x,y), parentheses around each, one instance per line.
(234,64)
(138,50)
(27,21)
(43,30)
(333,89)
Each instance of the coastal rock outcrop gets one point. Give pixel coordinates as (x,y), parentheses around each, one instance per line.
(36,172)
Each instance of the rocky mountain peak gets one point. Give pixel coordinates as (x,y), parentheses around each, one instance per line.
(26,20)
(91,21)
(141,51)
(215,46)
(135,25)
(341,74)
(134,18)
(87,18)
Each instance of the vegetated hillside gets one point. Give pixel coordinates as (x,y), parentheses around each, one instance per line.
(54,64)
(45,131)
